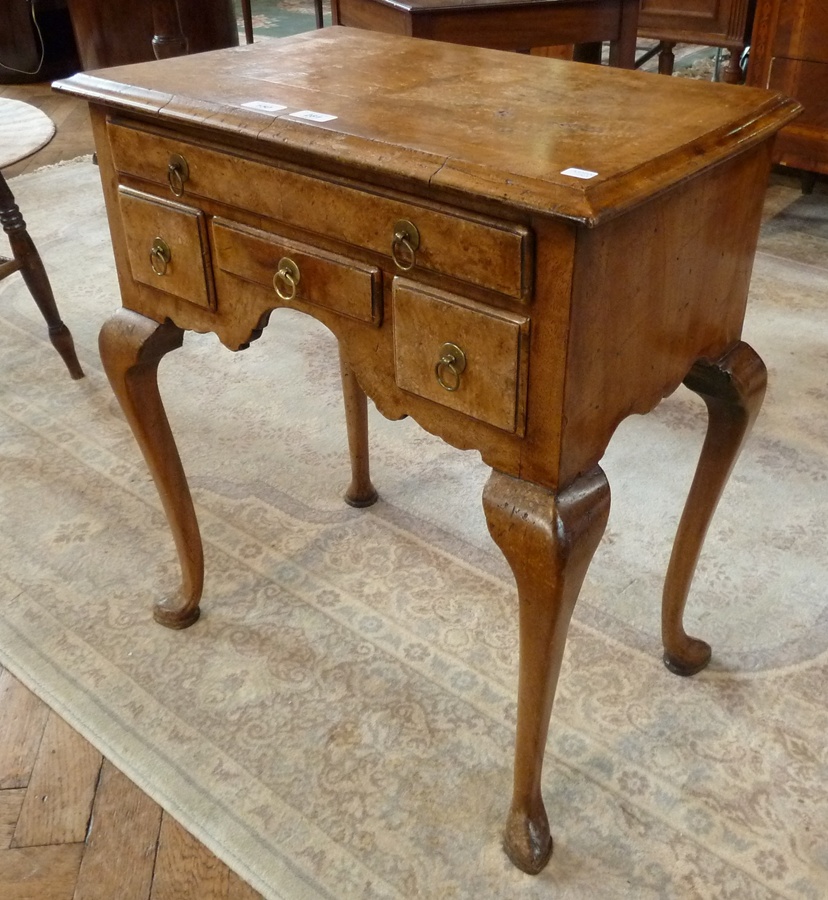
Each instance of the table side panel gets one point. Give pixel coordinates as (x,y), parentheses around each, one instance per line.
(655,291)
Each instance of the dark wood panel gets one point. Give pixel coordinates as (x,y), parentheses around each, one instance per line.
(789,52)
(802,30)
(110,34)
(718,22)
(19,49)
(804,144)
(35,51)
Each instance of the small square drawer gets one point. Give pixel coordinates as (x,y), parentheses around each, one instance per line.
(461,354)
(296,271)
(167,246)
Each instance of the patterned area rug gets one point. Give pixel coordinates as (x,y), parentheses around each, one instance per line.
(339,723)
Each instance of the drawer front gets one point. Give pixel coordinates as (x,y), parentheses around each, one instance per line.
(167,246)
(493,255)
(323,279)
(486,379)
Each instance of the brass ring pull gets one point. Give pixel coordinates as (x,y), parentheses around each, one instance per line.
(177,173)
(450,366)
(406,238)
(160,256)
(287,273)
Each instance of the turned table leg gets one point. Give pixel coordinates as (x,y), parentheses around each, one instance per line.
(169,39)
(549,540)
(360,492)
(131,347)
(27,261)
(733,389)
(666,57)
(733,73)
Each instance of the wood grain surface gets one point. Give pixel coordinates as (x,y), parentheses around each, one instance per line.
(72,827)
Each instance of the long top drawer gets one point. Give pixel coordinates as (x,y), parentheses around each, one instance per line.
(491,254)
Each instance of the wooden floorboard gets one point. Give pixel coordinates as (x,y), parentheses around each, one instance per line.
(128,843)
(72,827)
(61,789)
(40,873)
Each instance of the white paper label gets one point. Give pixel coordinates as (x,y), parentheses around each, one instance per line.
(261,106)
(312,116)
(579,173)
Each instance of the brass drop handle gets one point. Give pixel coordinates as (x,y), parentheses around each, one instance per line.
(450,366)
(160,256)
(287,273)
(404,244)
(177,173)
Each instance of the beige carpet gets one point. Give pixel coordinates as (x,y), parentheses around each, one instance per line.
(339,723)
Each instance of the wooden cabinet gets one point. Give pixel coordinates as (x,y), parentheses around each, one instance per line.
(719,23)
(789,52)
(36,41)
(113,34)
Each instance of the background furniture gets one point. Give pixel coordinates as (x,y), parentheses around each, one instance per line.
(26,129)
(113,34)
(789,52)
(88,34)
(502,24)
(719,23)
(515,280)
(35,47)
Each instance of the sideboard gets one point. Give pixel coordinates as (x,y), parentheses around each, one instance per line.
(789,52)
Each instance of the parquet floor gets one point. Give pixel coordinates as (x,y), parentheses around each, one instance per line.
(72,827)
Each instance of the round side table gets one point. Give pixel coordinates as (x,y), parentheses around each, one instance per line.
(24,129)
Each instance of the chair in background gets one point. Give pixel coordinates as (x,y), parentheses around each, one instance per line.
(27,130)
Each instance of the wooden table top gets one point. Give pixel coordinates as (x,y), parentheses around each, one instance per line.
(24,129)
(463,120)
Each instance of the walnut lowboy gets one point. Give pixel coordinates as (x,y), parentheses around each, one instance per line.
(517,252)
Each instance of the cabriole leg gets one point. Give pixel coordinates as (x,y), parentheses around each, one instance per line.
(733,389)
(360,492)
(549,540)
(131,347)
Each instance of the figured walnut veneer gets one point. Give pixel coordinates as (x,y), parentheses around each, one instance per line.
(432,220)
